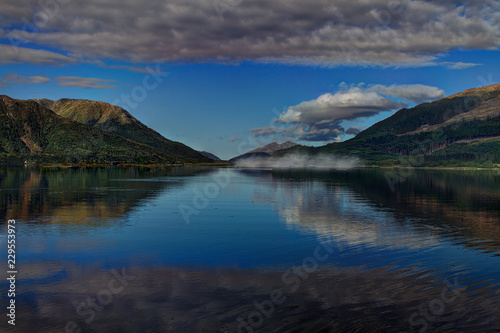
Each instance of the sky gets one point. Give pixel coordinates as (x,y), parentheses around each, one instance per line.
(228,76)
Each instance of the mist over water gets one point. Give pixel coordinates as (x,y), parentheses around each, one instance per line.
(300,161)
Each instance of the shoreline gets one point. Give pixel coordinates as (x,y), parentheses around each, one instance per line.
(107,165)
(229,164)
(429,168)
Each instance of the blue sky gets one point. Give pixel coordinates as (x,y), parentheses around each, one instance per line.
(229,75)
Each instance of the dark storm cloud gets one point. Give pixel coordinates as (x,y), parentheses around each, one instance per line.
(353,131)
(319,32)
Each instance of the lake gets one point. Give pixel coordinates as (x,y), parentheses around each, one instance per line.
(200,249)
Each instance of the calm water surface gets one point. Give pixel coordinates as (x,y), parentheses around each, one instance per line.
(244,250)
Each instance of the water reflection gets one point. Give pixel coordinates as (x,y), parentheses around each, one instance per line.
(359,206)
(423,255)
(174,299)
(92,196)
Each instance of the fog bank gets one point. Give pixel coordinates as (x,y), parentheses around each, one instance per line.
(300,161)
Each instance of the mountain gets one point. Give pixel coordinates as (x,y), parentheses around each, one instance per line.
(113,119)
(459,130)
(210,155)
(273,147)
(30,131)
(265,151)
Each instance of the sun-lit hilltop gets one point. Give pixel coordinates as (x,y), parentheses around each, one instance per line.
(81,131)
(116,120)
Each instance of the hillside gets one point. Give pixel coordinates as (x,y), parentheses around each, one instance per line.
(273,147)
(210,155)
(116,120)
(264,151)
(459,130)
(30,131)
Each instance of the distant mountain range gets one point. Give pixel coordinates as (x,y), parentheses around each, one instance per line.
(210,155)
(459,130)
(82,131)
(265,151)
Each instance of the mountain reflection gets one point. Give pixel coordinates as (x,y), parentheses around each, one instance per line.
(175,299)
(360,207)
(418,257)
(82,196)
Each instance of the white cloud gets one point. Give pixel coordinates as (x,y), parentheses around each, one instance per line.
(14,78)
(316,32)
(417,93)
(459,65)
(84,82)
(343,105)
(301,132)
(267,130)
(17,55)
(130,68)
(321,119)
